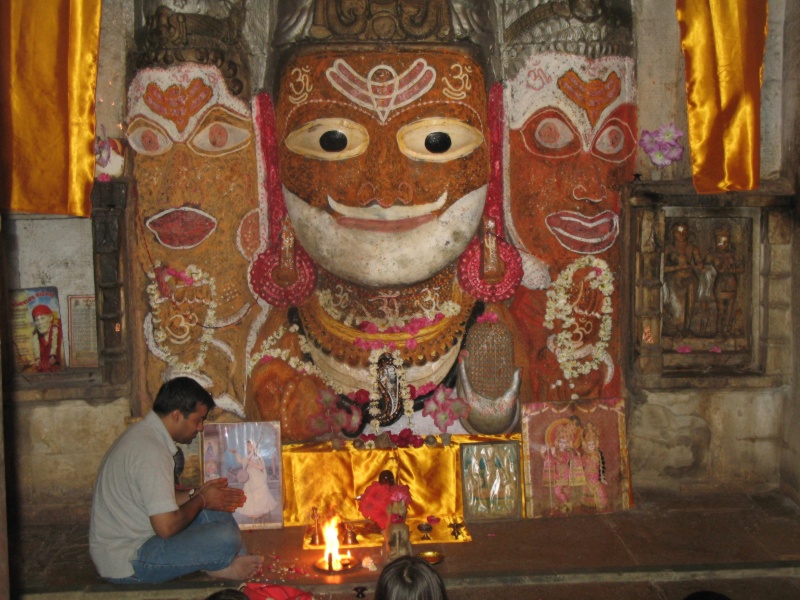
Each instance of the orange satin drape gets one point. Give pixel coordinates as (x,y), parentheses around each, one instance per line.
(47,126)
(723,45)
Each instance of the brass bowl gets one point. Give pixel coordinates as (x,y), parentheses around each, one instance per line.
(432,557)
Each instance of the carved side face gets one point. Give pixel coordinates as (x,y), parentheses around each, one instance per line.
(384,159)
(195,171)
(197,222)
(572,145)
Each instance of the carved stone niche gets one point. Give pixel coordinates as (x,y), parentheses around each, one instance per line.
(699,273)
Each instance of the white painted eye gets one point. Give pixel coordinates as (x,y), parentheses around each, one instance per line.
(615,142)
(328,139)
(218,138)
(147,138)
(553,133)
(438,139)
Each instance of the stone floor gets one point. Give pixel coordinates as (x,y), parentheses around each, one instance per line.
(670,545)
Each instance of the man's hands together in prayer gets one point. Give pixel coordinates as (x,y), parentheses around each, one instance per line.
(218,496)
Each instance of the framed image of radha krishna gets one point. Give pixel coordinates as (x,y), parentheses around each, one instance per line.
(576,458)
(249,455)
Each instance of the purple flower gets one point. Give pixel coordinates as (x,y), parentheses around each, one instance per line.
(659,155)
(668,133)
(647,141)
(683,349)
(674,152)
(715,349)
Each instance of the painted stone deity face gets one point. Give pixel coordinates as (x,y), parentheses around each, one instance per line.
(572,145)
(384,159)
(197,220)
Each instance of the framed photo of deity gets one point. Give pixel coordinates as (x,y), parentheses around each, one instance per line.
(575,458)
(37,330)
(249,455)
(490,481)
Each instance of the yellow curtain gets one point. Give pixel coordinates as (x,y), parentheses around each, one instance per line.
(47,125)
(723,45)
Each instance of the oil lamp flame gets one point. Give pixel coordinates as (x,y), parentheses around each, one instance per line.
(330,532)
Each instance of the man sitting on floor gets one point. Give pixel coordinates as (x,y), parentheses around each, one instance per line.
(142,529)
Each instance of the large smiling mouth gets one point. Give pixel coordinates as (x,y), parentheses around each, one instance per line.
(582,234)
(393,218)
(181,228)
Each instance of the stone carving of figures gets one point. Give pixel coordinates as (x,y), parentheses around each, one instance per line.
(722,258)
(683,264)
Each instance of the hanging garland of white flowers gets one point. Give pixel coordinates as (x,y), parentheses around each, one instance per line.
(268,350)
(404,392)
(569,354)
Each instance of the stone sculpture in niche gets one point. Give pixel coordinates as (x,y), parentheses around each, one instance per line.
(570,106)
(703,273)
(727,269)
(195,219)
(385,165)
(683,266)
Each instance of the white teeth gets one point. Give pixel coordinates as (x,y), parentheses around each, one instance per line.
(393,213)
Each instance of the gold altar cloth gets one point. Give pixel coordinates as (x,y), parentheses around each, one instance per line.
(317,475)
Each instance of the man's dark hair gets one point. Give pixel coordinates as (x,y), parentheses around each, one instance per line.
(228,594)
(409,578)
(183,393)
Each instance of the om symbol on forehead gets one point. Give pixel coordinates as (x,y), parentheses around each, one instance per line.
(383,89)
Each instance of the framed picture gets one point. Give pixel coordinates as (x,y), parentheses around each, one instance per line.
(575,457)
(82,331)
(249,455)
(36,330)
(490,479)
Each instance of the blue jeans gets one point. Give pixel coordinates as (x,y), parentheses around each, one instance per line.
(209,543)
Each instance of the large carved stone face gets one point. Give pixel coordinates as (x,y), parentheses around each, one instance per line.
(572,145)
(384,159)
(195,173)
(197,224)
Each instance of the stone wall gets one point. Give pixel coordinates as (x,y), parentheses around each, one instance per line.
(57,449)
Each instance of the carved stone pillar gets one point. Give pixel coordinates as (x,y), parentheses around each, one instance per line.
(108,210)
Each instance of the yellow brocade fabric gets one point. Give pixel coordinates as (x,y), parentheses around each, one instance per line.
(723,44)
(49,72)
(315,475)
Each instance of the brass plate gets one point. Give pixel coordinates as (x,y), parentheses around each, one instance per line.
(431,557)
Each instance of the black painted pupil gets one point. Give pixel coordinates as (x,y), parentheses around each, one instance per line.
(438,142)
(333,141)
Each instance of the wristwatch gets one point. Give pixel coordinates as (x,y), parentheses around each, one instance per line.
(192,492)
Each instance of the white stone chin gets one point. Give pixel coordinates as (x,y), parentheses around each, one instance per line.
(380,258)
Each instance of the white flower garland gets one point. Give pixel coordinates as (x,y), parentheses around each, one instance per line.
(268,350)
(374,393)
(155,297)
(559,309)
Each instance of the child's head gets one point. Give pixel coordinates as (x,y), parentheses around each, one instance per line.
(409,578)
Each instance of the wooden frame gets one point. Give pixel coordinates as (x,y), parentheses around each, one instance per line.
(491,481)
(249,455)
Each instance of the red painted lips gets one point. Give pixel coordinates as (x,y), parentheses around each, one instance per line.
(583,234)
(181,228)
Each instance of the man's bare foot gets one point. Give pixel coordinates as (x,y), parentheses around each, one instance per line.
(242,567)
